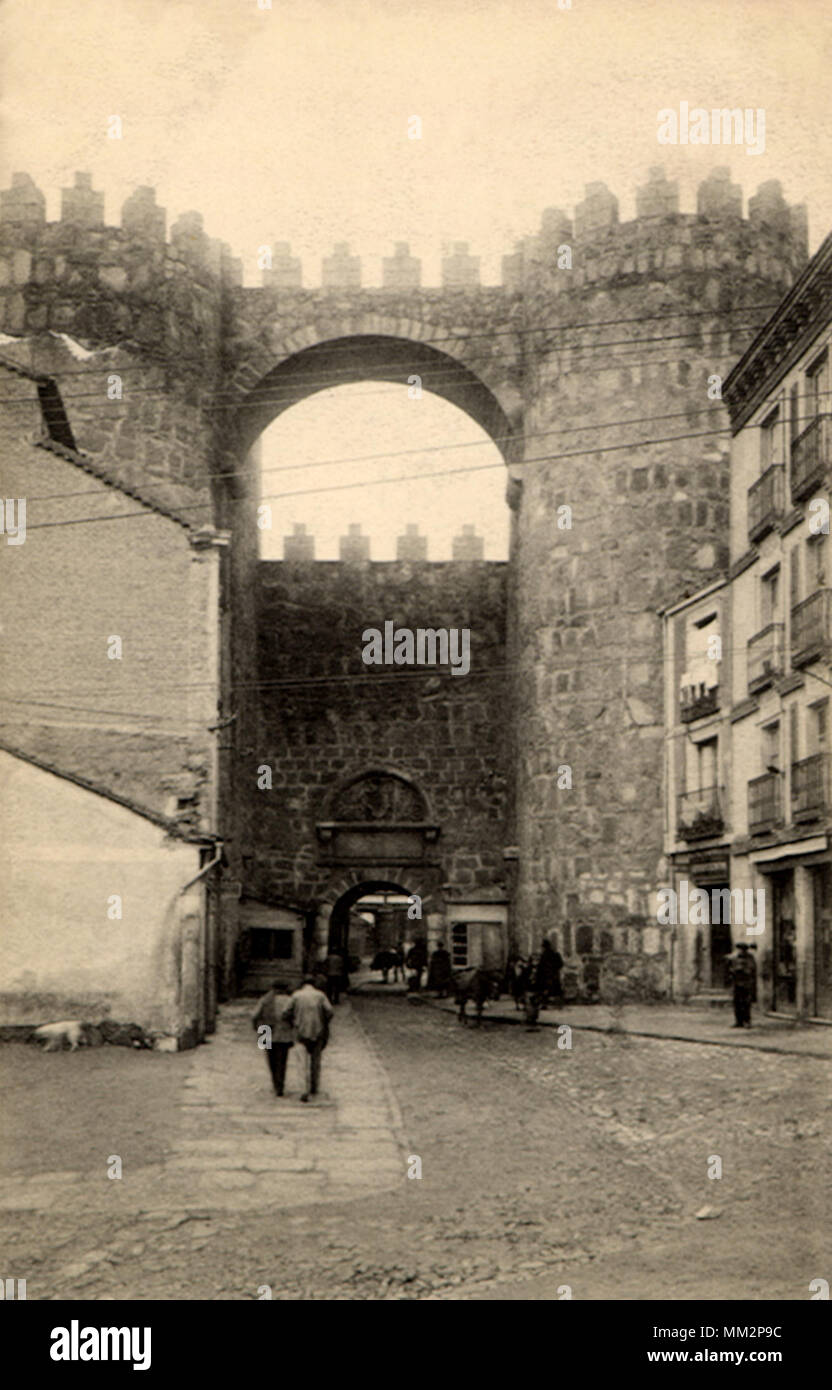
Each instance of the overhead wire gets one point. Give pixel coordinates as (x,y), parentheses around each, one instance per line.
(590,451)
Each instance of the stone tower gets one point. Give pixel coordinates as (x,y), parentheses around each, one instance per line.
(621,506)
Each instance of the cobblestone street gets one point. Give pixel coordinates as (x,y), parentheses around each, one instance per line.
(543,1169)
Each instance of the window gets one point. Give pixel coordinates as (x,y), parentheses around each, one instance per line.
(583,941)
(771,747)
(816,564)
(271,945)
(815,377)
(794,748)
(769,440)
(706,764)
(794,411)
(794,577)
(459,944)
(819,726)
(702,655)
(770,597)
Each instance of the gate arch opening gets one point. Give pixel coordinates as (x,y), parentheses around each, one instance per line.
(387,903)
(356,357)
(372,461)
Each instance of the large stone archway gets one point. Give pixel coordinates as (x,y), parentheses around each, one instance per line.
(273,370)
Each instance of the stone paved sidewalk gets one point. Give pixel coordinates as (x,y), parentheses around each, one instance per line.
(684,1023)
(239,1148)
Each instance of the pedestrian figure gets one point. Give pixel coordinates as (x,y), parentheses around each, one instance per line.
(270,1010)
(519,981)
(334,975)
(547,974)
(309,1012)
(439,971)
(744,979)
(416,960)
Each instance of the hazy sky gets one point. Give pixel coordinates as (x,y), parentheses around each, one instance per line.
(292,123)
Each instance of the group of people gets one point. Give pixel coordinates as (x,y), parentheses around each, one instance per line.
(413,962)
(537,976)
(536,979)
(302,1017)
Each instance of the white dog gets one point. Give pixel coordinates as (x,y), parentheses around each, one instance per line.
(56,1034)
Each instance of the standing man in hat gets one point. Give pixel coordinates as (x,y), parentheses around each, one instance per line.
(744,980)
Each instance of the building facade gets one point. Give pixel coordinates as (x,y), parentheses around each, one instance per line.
(778,396)
(697,780)
(108,708)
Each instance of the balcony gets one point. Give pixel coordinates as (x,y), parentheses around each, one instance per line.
(699,814)
(811,628)
(810,787)
(695,701)
(765,657)
(766,502)
(810,458)
(765,803)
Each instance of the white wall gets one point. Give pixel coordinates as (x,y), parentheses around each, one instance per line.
(65,852)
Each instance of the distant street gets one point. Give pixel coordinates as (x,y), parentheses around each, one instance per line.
(543,1170)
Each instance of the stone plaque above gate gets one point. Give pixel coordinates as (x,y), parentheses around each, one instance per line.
(378,816)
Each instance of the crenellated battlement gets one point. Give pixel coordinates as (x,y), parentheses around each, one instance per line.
(595,245)
(660,236)
(355,548)
(23,223)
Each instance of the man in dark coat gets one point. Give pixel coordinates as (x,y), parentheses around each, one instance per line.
(744,980)
(416,960)
(439,971)
(547,974)
(280,1038)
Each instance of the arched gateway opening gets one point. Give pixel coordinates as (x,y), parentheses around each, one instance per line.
(469,374)
(374,918)
(311,713)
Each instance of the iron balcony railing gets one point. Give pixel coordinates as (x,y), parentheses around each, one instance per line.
(765,802)
(810,787)
(696,701)
(765,657)
(811,627)
(766,501)
(699,813)
(810,457)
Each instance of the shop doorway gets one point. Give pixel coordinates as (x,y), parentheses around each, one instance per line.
(784,954)
(822,902)
(720,941)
